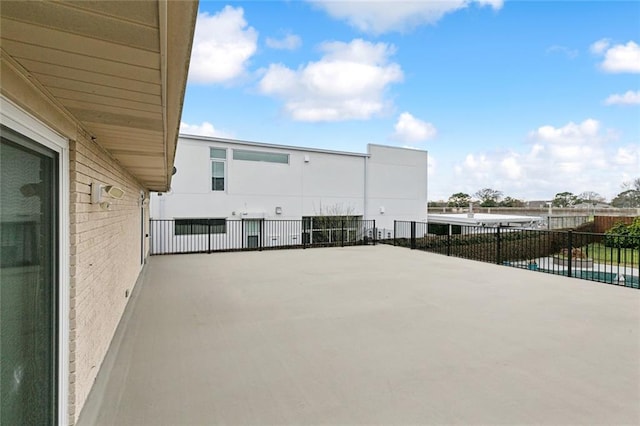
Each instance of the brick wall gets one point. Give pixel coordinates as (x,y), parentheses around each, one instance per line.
(104,245)
(104,262)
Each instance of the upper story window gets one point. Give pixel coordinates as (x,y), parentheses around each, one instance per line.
(268,157)
(218,159)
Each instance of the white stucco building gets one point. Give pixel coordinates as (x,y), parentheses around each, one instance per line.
(238,180)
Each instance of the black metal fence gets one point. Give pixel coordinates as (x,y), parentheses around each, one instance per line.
(172,236)
(611,259)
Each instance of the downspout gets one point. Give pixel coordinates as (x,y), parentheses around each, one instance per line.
(366,200)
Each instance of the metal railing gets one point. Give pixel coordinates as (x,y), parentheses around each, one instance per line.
(173,236)
(611,259)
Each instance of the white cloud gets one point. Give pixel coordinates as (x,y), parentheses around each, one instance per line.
(621,58)
(222,45)
(511,167)
(628,156)
(432,165)
(569,53)
(203,129)
(575,157)
(600,46)
(628,98)
(496,4)
(288,42)
(347,83)
(379,17)
(571,133)
(409,129)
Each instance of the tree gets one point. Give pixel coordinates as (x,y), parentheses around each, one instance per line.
(627,199)
(459,199)
(488,197)
(564,199)
(329,222)
(630,196)
(634,184)
(624,236)
(590,197)
(439,203)
(511,202)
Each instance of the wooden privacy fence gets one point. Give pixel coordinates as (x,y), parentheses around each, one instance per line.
(604,223)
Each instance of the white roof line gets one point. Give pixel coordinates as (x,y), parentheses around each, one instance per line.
(480,218)
(269,145)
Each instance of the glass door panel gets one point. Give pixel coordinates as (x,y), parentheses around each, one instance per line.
(28,281)
(252,231)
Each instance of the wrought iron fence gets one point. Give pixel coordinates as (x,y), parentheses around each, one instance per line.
(173,236)
(611,259)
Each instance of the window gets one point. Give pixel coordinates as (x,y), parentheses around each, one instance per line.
(267,157)
(218,158)
(200,226)
(327,229)
(220,153)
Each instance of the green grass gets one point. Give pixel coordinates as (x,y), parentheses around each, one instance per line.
(611,255)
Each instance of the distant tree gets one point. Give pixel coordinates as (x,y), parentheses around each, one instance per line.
(564,199)
(590,197)
(459,199)
(439,203)
(511,202)
(488,197)
(628,198)
(634,184)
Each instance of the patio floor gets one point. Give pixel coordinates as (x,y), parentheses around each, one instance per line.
(363,335)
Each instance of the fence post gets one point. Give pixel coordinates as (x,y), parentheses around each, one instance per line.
(209,236)
(413,235)
(341,232)
(569,254)
(304,243)
(394,231)
(498,243)
(449,242)
(375,233)
(261,236)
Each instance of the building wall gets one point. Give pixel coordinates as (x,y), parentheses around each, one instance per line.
(313,183)
(397,185)
(105,245)
(105,260)
(394,180)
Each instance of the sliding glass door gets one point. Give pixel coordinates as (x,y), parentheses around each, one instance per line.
(29,259)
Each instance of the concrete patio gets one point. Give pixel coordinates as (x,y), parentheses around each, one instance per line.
(364,335)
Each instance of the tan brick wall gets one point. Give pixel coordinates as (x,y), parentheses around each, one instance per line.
(104,245)
(104,262)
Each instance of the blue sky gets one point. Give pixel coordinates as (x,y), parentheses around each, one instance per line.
(530,98)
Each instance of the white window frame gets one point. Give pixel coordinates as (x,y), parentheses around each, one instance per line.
(219,160)
(17,119)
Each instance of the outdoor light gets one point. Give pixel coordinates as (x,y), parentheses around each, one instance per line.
(98,192)
(278,210)
(114,192)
